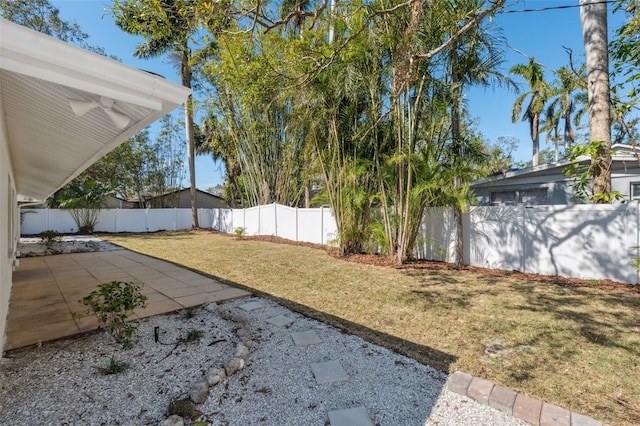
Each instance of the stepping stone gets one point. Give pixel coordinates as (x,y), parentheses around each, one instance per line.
(280,320)
(328,372)
(350,417)
(305,338)
(251,306)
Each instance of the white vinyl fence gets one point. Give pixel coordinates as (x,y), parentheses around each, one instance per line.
(582,241)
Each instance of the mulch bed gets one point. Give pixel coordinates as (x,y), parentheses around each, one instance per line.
(421,264)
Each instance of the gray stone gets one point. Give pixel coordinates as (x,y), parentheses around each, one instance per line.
(479,390)
(212,307)
(215,376)
(241,332)
(173,420)
(328,372)
(305,338)
(199,392)
(182,407)
(459,382)
(250,306)
(552,415)
(580,420)
(280,320)
(350,417)
(233,366)
(250,344)
(242,351)
(502,399)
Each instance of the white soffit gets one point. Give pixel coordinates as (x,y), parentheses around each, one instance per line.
(49,145)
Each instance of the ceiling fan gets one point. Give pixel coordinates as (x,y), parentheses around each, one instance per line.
(80,108)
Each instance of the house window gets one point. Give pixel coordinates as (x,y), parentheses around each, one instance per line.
(533,196)
(503,197)
(635,191)
(525,196)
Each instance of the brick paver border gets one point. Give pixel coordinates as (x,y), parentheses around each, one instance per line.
(521,406)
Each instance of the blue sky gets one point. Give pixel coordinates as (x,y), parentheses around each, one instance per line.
(541,34)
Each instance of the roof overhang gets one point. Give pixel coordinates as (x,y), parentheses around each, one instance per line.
(48,143)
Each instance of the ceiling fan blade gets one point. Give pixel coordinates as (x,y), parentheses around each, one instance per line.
(80,108)
(119,120)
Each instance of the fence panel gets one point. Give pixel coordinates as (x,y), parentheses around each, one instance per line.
(436,237)
(222,220)
(496,237)
(267,220)
(107,221)
(585,241)
(308,226)
(287,222)
(132,220)
(33,221)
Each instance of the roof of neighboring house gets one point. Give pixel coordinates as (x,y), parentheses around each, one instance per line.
(620,154)
(200,191)
(51,142)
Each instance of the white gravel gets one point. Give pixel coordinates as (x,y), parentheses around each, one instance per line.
(58,383)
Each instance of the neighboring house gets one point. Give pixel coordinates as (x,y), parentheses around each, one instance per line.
(61,109)
(548,185)
(113,202)
(182,199)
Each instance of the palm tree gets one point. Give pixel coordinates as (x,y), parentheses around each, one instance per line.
(167,27)
(567,94)
(473,60)
(538,94)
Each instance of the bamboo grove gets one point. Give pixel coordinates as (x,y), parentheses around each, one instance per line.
(334,109)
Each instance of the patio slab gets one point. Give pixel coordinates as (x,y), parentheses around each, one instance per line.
(46,291)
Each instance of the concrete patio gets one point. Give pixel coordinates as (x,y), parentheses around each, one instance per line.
(45,305)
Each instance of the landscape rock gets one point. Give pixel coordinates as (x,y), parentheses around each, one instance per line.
(242,351)
(199,392)
(173,420)
(215,376)
(183,408)
(234,365)
(250,344)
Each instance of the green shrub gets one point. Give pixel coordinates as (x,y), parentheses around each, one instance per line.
(114,367)
(239,233)
(112,303)
(50,238)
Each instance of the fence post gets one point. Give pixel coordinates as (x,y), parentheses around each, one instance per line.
(275,217)
(322,225)
(259,221)
(296,223)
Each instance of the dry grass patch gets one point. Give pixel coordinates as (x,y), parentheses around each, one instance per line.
(575,347)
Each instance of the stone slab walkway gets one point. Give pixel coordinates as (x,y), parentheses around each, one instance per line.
(44,303)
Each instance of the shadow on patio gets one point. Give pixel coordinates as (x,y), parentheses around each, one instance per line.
(46,291)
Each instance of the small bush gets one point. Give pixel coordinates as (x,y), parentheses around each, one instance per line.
(193,336)
(188,313)
(239,233)
(114,367)
(112,303)
(50,238)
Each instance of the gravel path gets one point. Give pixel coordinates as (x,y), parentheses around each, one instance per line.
(59,382)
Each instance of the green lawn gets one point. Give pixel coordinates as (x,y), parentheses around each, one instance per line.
(575,347)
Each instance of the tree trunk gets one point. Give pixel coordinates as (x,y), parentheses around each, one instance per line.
(593,16)
(185,75)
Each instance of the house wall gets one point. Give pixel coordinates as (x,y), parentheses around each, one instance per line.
(9,224)
(559,187)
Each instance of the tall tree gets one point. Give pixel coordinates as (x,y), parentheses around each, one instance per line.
(538,93)
(567,95)
(474,59)
(167,27)
(593,16)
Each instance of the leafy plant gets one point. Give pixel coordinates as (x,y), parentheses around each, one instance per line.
(583,175)
(114,367)
(50,238)
(239,232)
(193,336)
(112,303)
(188,313)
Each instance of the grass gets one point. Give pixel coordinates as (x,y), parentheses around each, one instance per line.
(578,348)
